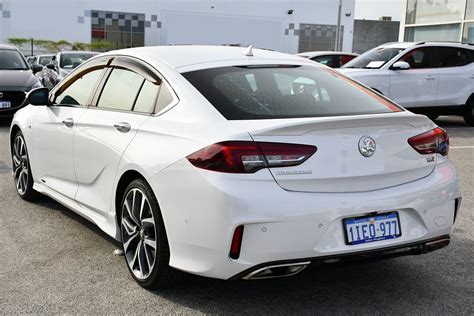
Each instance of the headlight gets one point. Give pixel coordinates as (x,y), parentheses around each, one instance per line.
(36,85)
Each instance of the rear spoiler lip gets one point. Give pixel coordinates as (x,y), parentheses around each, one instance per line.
(317,124)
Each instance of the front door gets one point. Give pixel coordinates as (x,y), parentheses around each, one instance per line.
(417,86)
(54,133)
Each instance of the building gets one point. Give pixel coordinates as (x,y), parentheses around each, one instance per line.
(284,25)
(372,33)
(437,20)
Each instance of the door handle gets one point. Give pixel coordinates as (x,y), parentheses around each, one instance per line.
(430,77)
(69,122)
(122,127)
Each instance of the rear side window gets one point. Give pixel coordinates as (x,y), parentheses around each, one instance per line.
(121,90)
(147,98)
(273,92)
(454,57)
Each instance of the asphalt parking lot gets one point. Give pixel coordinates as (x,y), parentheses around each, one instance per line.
(53,261)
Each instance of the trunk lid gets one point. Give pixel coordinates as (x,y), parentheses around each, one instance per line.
(338,165)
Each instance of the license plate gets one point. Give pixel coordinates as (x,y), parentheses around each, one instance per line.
(360,230)
(5,105)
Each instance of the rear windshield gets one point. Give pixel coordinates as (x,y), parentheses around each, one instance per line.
(273,92)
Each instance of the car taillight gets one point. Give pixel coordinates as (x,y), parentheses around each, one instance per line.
(249,157)
(435,141)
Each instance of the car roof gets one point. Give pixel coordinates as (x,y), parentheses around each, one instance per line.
(77,52)
(406,45)
(323,53)
(180,56)
(9,47)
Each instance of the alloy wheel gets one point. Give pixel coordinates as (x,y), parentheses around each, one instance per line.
(139,235)
(20,165)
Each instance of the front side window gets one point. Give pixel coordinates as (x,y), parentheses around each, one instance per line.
(285,92)
(374,59)
(79,92)
(419,58)
(454,57)
(12,60)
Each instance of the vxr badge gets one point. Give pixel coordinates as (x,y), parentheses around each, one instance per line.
(367,146)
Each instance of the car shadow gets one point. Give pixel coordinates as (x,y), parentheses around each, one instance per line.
(341,289)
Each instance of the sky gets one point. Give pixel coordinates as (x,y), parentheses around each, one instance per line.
(373,9)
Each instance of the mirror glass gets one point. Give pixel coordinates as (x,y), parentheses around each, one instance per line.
(39,96)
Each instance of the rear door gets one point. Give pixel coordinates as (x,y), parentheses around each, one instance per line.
(417,86)
(128,97)
(456,75)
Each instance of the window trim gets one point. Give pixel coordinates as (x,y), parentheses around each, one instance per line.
(88,66)
(110,62)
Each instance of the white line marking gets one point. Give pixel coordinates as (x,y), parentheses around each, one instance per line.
(461,147)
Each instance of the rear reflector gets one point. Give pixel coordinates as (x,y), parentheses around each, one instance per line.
(236,242)
(249,157)
(435,141)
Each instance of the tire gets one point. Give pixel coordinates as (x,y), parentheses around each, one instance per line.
(22,174)
(142,228)
(469,113)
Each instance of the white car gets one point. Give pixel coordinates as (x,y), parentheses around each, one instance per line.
(235,164)
(328,58)
(66,61)
(431,78)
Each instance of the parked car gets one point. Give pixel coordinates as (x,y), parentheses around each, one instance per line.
(61,65)
(432,78)
(42,60)
(48,76)
(330,59)
(16,78)
(65,62)
(235,164)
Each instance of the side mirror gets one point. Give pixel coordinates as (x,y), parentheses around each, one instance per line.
(401,65)
(36,68)
(51,66)
(38,96)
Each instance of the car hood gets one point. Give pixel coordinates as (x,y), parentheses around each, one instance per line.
(17,79)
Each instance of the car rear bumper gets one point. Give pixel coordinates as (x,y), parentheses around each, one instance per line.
(201,210)
(416,248)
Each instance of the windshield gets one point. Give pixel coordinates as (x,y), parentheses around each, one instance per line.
(71,61)
(45,60)
(12,60)
(374,59)
(285,91)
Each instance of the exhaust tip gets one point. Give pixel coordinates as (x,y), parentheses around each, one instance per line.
(436,244)
(277,271)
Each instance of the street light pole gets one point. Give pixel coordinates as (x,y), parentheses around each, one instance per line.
(338,29)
